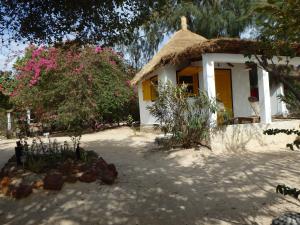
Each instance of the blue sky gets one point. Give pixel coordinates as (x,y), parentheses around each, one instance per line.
(8,54)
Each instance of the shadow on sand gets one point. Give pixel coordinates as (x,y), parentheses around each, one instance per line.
(155,189)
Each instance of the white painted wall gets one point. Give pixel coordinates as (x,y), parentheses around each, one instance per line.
(240,91)
(145,116)
(277,107)
(165,74)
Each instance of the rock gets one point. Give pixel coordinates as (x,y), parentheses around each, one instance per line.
(108,177)
(66,168)
(53,181)
(101,164)
(88,177)
(16,181)
(5,185)
(22,191)
(31,178)
(113,169)
(71,179)
(9,169)
(38,184)
(5,181)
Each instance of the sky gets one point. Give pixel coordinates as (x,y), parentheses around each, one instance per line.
(9,54)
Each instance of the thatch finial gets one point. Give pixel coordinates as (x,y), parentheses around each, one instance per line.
(183,23)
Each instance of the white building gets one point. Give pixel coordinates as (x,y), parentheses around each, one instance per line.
(217,66)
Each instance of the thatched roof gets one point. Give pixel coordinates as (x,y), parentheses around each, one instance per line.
(180,41)
(219,45)
(185,45)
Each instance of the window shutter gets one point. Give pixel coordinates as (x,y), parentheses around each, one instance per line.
(146,87)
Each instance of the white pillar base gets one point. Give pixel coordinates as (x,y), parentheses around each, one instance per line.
(9,121)
(264,96)
(209,84)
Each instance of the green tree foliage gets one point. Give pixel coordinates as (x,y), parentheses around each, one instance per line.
(5,78)
(211,19)
(108,21)
(186,119)
(74,87)
(278,24)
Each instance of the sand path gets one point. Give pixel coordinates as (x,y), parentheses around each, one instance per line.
(183,187)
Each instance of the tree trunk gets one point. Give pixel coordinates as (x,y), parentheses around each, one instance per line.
(294,90)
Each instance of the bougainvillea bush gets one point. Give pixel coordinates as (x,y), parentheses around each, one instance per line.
(73,87)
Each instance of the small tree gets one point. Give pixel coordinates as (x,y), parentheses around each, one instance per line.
(186,119)
(73,87)
(279,35)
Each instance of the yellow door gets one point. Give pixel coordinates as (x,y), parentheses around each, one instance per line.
(223,89)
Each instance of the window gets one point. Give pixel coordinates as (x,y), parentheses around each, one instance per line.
(149,88)
(253,81)
(191,80)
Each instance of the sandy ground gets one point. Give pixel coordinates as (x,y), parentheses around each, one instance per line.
(183,187)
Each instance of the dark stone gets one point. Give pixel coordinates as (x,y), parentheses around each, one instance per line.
(66,168)
(101,164)
(113,169)
(107,172)
(71,179)
(9,169)
(108,177)
(53,181)
(88,177)
(21,191)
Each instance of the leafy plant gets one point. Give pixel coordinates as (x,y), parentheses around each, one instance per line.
(277,23)
(72,87)
(36,164)
(296,143)
(286,190)
(186,119)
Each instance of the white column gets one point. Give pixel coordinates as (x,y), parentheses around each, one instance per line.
(8,121)
(282,109)
(264,96)
(209,83)
(28,116)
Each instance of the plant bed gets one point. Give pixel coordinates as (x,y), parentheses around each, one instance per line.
(50,170)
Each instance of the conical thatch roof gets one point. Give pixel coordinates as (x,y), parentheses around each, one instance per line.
(180,41)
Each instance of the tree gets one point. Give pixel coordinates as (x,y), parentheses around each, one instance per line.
(211,19)
(278,25)
(73,87)
(5,78)
(105,21)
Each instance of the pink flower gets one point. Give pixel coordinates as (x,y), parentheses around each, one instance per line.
(79,69)
(98,49)
(112,62)
(128,83)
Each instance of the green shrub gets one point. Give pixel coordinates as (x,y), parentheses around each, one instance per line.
(73,88)
(186,119)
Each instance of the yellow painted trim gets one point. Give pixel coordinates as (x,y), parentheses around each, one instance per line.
(146,90)
(190,70)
